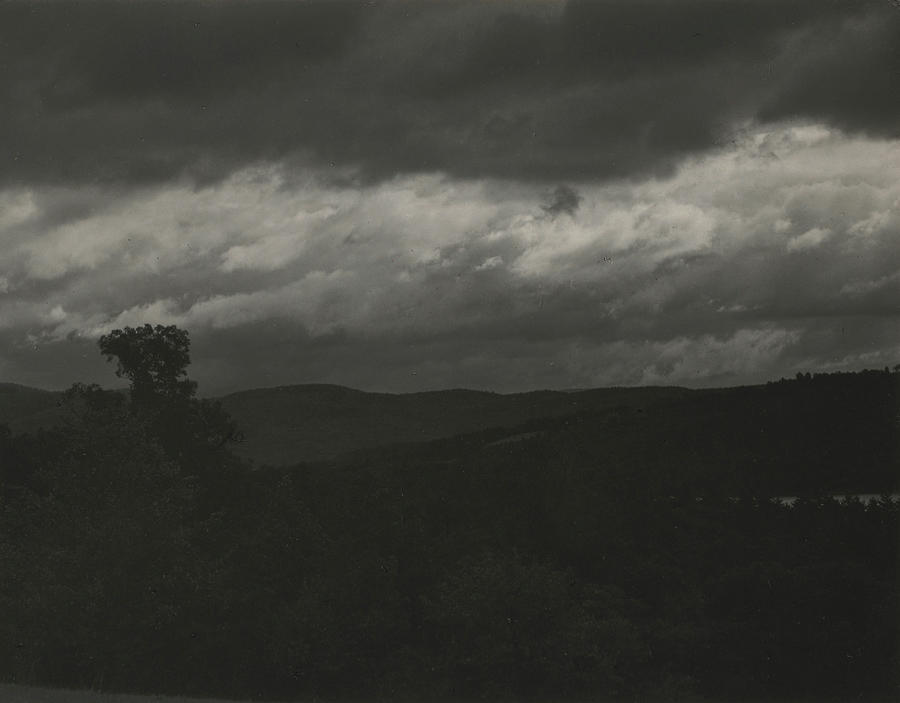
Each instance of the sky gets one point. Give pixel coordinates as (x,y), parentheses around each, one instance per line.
(405,196)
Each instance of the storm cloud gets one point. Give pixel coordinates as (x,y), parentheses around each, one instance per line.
(501,195)
(137,92)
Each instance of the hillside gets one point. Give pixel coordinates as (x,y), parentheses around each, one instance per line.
(25,409)
(837,432)
(291,424)
(825,435)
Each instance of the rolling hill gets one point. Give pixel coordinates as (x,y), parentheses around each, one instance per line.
(315,422)
(839,432)
(292,424)
(826,435)
(25,409)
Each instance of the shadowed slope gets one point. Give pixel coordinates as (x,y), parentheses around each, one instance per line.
(26,409)
(313,422)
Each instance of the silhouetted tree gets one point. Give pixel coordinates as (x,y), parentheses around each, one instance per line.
(155,361)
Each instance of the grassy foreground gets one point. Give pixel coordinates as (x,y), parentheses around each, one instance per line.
(29,694)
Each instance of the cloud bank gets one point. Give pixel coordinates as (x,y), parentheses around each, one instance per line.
(143,92)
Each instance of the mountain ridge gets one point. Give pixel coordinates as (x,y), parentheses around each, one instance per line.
(837,432)
(314,422)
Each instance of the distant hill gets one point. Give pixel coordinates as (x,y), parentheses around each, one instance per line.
(293,424)
(839,433)
(290,424)
(25,409)
(825,435)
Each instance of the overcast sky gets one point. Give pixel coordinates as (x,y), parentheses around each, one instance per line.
(406,196)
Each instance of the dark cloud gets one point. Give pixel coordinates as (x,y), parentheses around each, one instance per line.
(850,75)
(174,50)
(563,200)
(143,92)
(624,37)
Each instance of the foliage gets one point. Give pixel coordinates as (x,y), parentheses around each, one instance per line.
(155,360)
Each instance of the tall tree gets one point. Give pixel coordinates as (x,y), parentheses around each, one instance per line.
(154,359)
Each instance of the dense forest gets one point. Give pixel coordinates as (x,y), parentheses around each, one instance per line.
(614,553)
